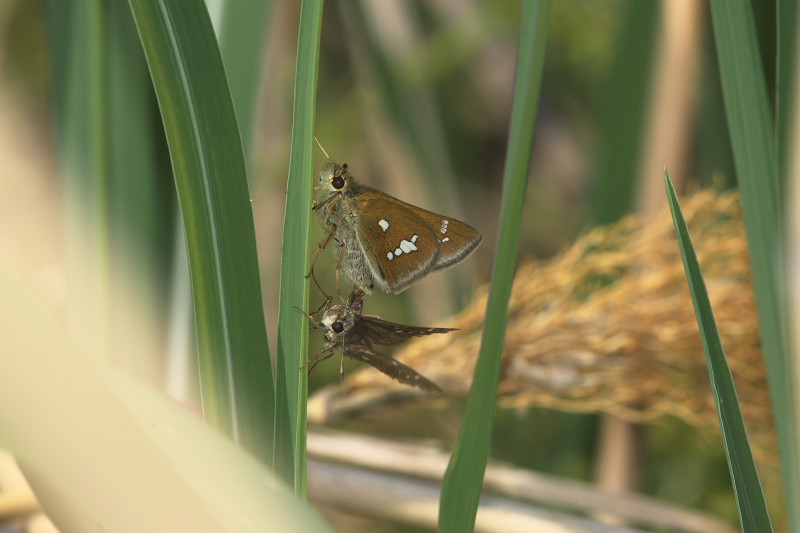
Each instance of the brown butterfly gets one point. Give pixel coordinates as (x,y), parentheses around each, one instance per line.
(347,329)
(381,240)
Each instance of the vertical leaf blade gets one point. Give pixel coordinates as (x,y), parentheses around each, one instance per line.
(461,487)
(76,44)
(209,170)
(755,158)
(242,33)
(292,383)
(623,124)
(746,485)
(787,14)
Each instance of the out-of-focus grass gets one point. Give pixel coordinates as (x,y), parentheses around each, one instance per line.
(135,448)
(241,33)
(787,25)
(614,183)
(79,96)
(116,199)
(755,154)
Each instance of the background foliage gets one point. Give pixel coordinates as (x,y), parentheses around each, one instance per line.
(418,104)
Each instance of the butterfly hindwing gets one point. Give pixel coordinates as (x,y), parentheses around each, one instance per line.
(392,368)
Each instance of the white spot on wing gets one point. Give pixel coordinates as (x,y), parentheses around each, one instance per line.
(407,246)
(446,239)
(383,224)
(414,238)
(443,229)
(398,252)
(389,256)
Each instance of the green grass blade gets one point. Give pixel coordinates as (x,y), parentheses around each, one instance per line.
(787,15)
(746,485)
(625,108)
(111,169)
(755,158)
(209,169)
(141,195)
(242,33)
(77,51)
(461,487)
(292,383)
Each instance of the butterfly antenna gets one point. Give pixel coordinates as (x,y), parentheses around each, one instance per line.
(321,148)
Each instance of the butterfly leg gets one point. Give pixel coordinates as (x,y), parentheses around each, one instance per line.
(324,305)
(314,256)
(341,364)
(328,298)
(316,253)
(330,198)
(310,317)
(338,268)
(317,358)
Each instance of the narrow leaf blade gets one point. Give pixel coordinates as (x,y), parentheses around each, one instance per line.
(292,382)
(461,487)
(746,484)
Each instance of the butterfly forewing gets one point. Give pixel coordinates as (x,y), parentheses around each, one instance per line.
(375,330)
(381,240)
(392,368)
(399,245)
(456,239)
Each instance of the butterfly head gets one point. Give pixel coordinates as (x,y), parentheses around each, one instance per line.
(333,178)
(338,321)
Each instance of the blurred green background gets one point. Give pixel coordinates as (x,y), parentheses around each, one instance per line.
(415,97)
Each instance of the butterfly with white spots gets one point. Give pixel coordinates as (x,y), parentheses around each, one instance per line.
(380,240)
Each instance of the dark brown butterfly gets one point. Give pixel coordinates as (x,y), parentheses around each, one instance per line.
(354,334)
(380,240)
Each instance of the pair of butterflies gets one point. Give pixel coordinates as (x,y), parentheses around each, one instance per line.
(385,242)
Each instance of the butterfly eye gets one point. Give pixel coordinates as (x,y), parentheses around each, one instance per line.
(337,182)
(337,326)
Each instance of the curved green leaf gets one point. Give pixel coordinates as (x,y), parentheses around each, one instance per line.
(209,169)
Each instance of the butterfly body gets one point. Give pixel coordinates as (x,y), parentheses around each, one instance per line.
(346,327)
(383,241)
